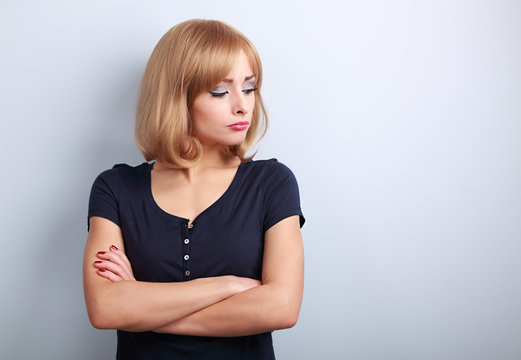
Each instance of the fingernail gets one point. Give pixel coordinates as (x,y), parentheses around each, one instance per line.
(101,252)
(102,270)
(112,247)
(98,262)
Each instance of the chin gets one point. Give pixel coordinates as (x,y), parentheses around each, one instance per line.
(235,140)
(233,143)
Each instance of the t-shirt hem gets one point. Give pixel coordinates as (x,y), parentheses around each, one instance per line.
(103,215)
(281,216)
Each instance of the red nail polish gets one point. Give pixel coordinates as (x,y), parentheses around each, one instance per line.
(112,247)
(101,252)
(102,270)
(98,262)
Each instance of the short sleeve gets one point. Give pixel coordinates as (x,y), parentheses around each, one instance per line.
(281,196)
(103,201)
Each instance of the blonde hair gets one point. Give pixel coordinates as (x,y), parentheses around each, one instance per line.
(190,58)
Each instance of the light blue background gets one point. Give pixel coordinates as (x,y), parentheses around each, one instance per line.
(401,121)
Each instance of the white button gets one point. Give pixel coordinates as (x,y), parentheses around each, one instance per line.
(187,241)
(187,257)
(187,273)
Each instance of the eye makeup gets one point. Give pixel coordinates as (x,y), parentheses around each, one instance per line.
(221,92)
(249,90)
(249,87)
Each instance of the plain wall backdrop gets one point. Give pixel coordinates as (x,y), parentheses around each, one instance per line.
(400,119)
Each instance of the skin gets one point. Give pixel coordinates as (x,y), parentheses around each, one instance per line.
(216,306)
(211,115)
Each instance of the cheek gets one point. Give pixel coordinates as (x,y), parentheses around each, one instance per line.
(251,103)
(208,118)
(201,113)
(199,117)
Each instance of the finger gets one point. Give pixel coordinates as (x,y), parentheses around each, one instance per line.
(113,257)
(123,257)
(118,257)
(109,275)
(113,268)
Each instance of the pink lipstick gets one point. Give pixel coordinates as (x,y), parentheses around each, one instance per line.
(241,125)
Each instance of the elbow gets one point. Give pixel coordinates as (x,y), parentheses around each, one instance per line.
(288,320)
(98,323)
(285,309)
(288,316)
(103,315)
(103,321)
(106,312)
(292,321)
(110,319)
(98,319)
(104,309)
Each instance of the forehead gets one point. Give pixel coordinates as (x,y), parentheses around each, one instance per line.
(241,69)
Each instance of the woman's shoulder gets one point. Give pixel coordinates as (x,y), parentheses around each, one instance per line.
(270,167)
(265,164)
(123,168)
(122,171)
(269,173)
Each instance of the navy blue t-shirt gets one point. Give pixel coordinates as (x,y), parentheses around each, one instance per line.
(227,238)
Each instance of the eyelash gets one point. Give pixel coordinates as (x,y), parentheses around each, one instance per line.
(221,94)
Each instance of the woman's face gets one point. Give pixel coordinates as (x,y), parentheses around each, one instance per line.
(222,115)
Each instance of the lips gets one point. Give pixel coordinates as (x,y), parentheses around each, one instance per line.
(239,126)
(240,123)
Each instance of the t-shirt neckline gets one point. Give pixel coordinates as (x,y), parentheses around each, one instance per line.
(206,212)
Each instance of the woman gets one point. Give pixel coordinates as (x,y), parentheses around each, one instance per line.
(197,255)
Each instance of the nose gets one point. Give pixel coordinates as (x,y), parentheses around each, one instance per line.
(239,104)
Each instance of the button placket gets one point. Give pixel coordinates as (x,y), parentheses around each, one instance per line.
(186,251)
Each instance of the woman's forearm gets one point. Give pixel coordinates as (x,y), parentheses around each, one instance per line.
(271,306)
(140,306)
(260,309)
(143,306)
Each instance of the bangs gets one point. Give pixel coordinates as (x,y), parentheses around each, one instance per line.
(219,50)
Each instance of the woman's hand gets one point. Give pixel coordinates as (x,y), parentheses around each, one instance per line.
(114,265)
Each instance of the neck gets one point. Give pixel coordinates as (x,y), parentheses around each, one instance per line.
(212,158)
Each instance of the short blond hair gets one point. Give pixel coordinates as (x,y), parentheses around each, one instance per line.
(190,58)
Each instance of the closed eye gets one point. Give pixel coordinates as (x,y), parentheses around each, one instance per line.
(247,91)
(219,94)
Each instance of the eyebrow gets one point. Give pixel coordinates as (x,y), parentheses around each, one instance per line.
(245,79)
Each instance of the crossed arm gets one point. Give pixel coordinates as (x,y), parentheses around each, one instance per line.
(215,306)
